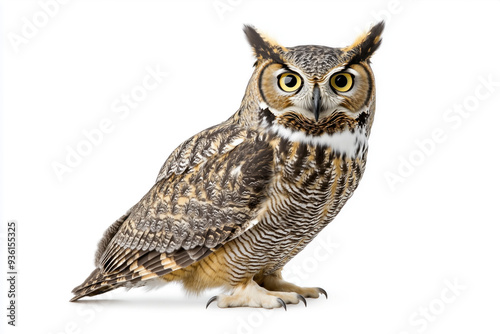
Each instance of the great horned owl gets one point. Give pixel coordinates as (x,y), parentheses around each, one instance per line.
(234,203)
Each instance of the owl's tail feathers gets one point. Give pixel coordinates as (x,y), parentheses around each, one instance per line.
(95,284)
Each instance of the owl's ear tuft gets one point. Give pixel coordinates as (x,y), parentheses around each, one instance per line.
(366,44)
(263,47)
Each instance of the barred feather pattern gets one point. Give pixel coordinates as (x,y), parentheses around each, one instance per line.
(310,187)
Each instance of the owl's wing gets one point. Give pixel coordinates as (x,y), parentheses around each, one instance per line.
(208,192)
(216,140)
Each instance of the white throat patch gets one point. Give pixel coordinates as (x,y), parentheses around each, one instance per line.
(353,144)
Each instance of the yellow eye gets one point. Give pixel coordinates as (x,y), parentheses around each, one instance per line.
(289,82)
(342,82)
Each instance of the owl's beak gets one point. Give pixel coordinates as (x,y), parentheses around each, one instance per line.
(316,102)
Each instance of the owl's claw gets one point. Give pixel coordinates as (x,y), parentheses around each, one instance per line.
(210,301)
(322,291)
(282,303)
(302,299)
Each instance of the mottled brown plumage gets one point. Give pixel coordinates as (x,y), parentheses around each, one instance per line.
(234,203)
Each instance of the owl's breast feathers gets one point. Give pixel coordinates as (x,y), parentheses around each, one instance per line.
(316,172)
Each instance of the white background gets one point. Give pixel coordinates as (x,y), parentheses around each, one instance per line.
(386,260)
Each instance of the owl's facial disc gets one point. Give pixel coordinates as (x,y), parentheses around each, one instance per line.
(314,89)
(286,89)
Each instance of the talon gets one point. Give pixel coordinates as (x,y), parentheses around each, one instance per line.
(282,303)
(303,299)
(322,291)
(210,301)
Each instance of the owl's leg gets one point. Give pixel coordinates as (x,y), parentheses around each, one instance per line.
(250,294)
(275,282)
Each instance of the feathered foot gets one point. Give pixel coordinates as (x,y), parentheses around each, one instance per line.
(250,294)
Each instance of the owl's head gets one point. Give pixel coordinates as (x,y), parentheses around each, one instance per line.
(314,90)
